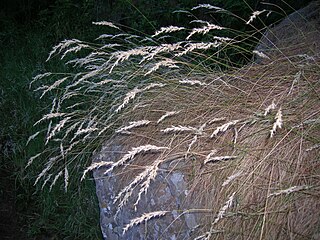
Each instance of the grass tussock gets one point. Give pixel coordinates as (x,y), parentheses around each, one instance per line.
(247,138)
(259,155)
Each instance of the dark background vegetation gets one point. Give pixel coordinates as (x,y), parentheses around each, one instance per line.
(28,30)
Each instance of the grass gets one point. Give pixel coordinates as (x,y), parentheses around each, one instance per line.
(73,215)
(255,129)
(249,133)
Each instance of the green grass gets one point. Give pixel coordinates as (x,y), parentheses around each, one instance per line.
(71,215)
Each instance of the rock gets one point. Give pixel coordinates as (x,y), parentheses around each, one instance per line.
(166,193)
(297,34)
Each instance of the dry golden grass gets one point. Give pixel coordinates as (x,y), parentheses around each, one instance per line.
(275,180)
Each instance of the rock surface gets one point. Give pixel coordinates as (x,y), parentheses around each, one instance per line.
(294,34)
(166,193)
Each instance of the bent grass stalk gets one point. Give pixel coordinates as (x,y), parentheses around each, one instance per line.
(143,219)
(132,153)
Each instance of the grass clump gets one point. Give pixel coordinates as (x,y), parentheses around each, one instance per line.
(26,211)
(247,137)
